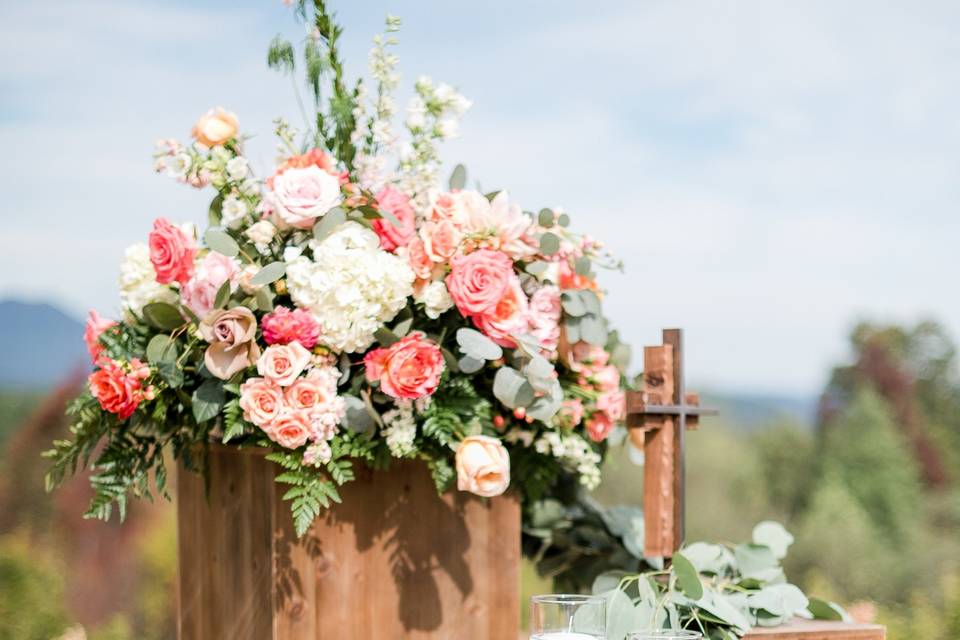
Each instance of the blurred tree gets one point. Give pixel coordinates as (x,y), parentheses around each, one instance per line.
(31,592)
(785,456)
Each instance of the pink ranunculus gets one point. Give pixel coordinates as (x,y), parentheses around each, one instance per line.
(571,412)
(119,389)
(200,292)
(599,426)
(418,259)
(508,318)
(483,466)
(171,252)
(478,280)
(440,240)
(94,328)
(290,429)
(408,369)
(607,378)
(283,326)
(261,401)
(303,194)
(545,314)
(396,202)
(614,404)
(282,363)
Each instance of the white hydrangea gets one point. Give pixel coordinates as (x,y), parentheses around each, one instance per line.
(435,298)
(400,430)
(138,281)
(351,286)
(575,453)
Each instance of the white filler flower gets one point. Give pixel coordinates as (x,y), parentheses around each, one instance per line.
(351,286)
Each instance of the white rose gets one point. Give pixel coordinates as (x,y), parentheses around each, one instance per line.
(300,196)
(238,168)
(177,165)
(435,298)
(138,281)
(261,232)
(483,466)
(233,211)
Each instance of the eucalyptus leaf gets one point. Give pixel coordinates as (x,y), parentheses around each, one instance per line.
(458,179)
(545,218)
(264,299)
(708,558)
(386,337)
(572,303)
(773,535)
(208,400)
(450,359)
(593,329)
(572,325)
(537,268)
(270,273)
(581,266)
(161,348)
(223,295)
(221,242)
(752,558)
(356,417)
(469,364)
(478,346)
(823,610)
(215,211)
(389,217)
(563,220)
(402,328)
(549,244)
(328,223)
(687,577)
(511,388)
(591,301)
(622,616)
(163,316)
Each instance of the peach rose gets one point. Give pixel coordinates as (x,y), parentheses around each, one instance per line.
(419,260)
(440,240)
(308,393)
(95,327)
(215,127)
(508,317)
(232,337)
(290,429)
(171,252)
(261,401)
(408,369)
(478,280)
(483,466)
(396,202)
(282,363)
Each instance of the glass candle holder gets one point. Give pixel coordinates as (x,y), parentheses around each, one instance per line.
(665,634)
(568,617)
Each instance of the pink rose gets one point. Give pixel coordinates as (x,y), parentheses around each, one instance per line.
(478,280)
(545,316)
(440,240)
(309,393)
(408,369)
(290,429)
(584,353)
(509,316)
(396,202)
(261,401)
(419,261)
(283,326)
(282,363)
(171,252)
(303,194)
(599,426)
(571,412)
(118,388)
(95,327)
(232,336)
(200,292)
(614,404)
(483,466)
(607,378)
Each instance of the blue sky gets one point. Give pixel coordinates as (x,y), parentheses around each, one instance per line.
(770,172)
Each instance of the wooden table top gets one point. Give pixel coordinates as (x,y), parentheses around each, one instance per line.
(819,630)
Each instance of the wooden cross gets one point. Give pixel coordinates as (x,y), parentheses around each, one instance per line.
(657,416)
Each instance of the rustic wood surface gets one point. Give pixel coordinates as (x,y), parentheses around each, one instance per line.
(820,630)
(393,561)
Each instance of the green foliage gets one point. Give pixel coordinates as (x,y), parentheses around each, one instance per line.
(31,592)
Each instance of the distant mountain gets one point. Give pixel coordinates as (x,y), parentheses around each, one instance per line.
(40,345)
(748,411)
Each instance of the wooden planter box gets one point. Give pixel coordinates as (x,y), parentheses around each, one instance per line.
(393,561)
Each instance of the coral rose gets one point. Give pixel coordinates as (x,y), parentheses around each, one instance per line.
(215,127)
(508,318)
(599,426)
(171,252)
(283,326)
(282,363)
(408,369)
(301,195)
(290,429)
(94,328)
(119,390)
(478,280)
(232,337)
(483,466)
(261,401)
(396,202)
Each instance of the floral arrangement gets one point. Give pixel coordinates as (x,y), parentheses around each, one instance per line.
(346,308)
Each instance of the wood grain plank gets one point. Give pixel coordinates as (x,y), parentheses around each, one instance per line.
(659,448)
(819,630)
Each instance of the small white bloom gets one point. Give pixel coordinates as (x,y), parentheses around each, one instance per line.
(435,298)
(178,165)
(261,232)
(317,454)
(138,281)
(233,211)
(238,168)
(291,253)
(249,187)
(416,113)
(400,430)
(448,128)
